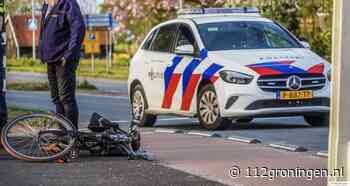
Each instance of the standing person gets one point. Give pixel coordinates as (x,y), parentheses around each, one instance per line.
(61,37)
(3,108)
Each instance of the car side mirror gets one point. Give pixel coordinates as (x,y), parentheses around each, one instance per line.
(304,42)
(185,50)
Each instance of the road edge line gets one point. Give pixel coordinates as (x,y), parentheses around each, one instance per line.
(169,131)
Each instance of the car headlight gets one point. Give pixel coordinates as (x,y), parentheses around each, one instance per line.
(329,75)
(236,77)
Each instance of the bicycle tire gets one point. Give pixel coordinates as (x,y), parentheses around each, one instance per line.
(62,122)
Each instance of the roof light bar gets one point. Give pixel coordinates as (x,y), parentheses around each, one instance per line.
(200,11)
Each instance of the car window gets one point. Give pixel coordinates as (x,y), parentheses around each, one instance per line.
(149,40)
(245,35)
(163,42)
(185,37)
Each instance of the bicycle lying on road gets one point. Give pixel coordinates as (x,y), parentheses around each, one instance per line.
(49,137)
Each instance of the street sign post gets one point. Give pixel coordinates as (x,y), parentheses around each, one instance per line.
(33,31)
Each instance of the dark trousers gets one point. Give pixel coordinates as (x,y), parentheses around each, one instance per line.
(3,107)
(62,81)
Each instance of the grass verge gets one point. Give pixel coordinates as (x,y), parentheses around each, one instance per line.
(119,69)
(44,86)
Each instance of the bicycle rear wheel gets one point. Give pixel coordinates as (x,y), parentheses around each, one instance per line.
(38,137)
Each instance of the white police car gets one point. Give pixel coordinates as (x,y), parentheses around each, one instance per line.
(227,63)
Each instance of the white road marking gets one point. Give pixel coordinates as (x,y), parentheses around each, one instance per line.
(163,119)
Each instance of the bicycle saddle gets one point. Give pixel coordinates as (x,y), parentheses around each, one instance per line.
(100,124)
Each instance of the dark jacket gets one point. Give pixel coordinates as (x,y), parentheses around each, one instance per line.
(62,32)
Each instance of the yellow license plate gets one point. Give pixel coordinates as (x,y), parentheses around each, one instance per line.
(292,95)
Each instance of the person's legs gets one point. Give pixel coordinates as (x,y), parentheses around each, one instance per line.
(66,78)
(51,74)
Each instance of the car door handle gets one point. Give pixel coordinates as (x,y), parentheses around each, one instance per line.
(157,61)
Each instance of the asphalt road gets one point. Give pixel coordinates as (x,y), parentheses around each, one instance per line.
(94,171)
(292,130)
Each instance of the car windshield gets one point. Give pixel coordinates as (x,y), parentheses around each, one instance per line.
(245,35)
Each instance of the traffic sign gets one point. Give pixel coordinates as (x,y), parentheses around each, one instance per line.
(92,42)
(92,49)
(100,20)
(32,24)
(92,36)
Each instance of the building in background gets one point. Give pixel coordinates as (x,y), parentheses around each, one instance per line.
(19,29)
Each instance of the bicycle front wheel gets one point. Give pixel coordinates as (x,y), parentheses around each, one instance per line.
(38,137)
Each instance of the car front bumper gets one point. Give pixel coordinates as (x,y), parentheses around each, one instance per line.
(251,101)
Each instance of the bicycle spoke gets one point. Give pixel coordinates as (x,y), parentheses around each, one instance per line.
(39,137)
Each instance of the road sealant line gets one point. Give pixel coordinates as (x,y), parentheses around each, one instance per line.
(323,154)
(288,147)
(169,131)
(212,135)
(244,139)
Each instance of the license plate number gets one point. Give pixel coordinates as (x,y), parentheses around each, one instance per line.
(293,95)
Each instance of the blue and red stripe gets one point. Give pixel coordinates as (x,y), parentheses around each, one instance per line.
(190,80)
(276,68)
(171,81)
(209,73)
(188,95)
(317,69)
(170,91)
(169,71)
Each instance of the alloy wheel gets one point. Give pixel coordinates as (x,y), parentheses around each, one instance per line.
(138,105)
(209,107)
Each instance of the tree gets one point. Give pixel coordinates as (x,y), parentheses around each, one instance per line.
(298,16)
(18,6)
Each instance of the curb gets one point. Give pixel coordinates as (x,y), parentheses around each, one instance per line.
(147,133)
(287,147)
(169,131)
(213,135)
(323,154)
(244,139)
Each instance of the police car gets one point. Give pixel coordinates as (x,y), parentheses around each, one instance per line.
(224,64)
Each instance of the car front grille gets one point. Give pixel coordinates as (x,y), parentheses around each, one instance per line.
(276,83)
(269,104)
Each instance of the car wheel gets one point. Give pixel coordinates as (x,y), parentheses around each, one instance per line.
(209,111)
(317,121)
(139,106)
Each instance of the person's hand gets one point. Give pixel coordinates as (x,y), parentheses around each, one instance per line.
(64,61)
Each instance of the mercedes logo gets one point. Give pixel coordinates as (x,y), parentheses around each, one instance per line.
(294,83)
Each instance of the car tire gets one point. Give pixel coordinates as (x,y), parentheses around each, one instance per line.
(317,121)
(244,120)
(208,110)
(139,105)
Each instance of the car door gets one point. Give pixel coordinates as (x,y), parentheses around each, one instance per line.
(158,59)
(184,71)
